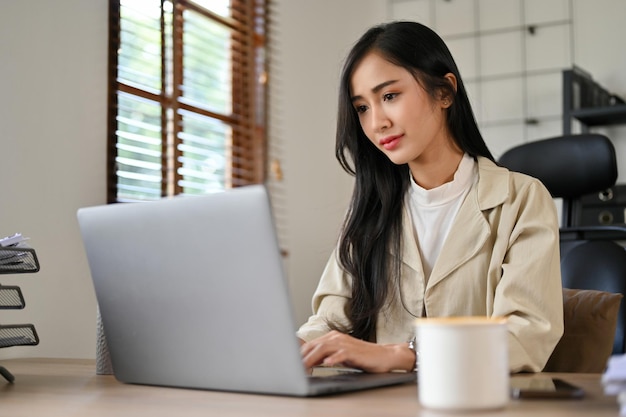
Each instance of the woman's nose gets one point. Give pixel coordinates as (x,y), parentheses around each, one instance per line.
(379,121)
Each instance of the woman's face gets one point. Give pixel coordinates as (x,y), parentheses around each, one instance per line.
(397,115)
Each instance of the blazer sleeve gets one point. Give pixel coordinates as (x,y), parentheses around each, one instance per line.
(329,301)
(530,290)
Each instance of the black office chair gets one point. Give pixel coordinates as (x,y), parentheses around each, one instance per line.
(570,167)
(598,265)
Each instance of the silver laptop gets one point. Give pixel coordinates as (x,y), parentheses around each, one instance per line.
(192,294)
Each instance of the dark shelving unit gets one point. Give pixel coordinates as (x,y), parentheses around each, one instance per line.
(588,102)
(601,116)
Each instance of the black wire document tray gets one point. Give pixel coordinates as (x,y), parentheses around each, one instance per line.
(16,260)
(11,298)
(18,335)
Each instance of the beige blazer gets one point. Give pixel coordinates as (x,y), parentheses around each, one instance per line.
(501,258)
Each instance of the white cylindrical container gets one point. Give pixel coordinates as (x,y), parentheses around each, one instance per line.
(462,363)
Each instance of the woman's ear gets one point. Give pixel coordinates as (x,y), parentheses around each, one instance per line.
(447,95)
(451,78)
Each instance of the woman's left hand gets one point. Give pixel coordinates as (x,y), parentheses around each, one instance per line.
(336,348)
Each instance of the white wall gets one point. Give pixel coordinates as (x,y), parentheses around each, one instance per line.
(52,157)
(53,131)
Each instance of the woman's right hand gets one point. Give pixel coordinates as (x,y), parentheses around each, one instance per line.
(339,349)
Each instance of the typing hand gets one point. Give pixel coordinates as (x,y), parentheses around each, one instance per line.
(339,349)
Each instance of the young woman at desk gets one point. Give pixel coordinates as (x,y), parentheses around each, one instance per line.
(435,227)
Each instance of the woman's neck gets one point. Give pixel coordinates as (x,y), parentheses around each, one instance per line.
(431,171)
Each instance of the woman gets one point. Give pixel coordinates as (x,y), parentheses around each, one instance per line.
(435,227)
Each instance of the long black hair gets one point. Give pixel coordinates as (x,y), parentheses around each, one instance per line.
(372,229)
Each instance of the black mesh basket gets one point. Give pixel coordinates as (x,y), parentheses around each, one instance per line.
(11,298)
(18,335)
(16,260)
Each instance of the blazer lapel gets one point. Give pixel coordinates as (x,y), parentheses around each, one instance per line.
(467,236)
(410,251)
(470,229)
(412,283)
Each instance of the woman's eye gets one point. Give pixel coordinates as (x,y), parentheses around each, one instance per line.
(361,109)
(389,96)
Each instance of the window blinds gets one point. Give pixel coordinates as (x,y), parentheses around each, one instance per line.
(187,97)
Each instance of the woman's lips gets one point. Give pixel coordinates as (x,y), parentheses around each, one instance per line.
(390,142)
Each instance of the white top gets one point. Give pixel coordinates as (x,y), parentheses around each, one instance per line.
(433,211)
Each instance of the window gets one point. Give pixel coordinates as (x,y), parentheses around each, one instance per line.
(187,97)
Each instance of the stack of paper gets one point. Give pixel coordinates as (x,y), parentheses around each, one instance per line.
(12,257)
(13,241)
(614,380)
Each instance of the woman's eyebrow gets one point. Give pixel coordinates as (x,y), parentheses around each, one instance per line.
(376,88)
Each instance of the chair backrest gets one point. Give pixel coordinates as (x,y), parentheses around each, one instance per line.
(569,166)
(598,265)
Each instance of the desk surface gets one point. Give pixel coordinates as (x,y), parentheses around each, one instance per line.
(67,387)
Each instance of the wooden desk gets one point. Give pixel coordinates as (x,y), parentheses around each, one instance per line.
(56,387)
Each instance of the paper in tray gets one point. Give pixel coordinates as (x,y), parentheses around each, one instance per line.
(18,259)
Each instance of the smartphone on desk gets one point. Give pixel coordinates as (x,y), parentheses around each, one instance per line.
(543,387)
